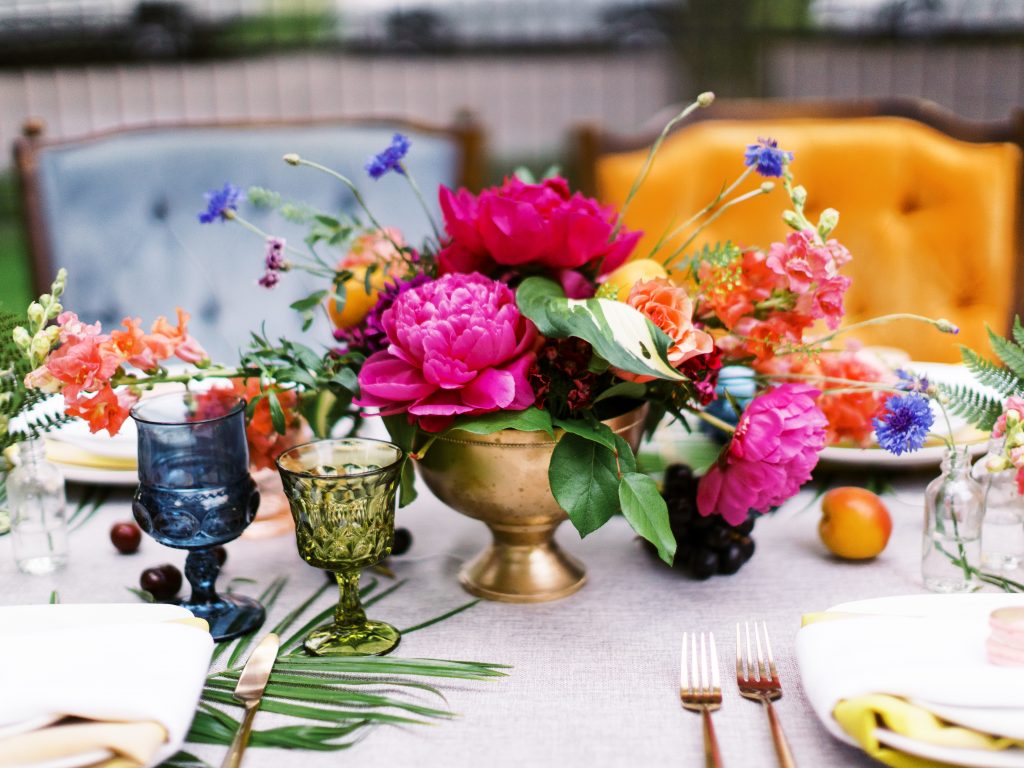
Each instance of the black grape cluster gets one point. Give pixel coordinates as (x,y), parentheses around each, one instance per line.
(706,545)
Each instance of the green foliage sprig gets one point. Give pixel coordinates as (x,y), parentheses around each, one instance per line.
(1006,377)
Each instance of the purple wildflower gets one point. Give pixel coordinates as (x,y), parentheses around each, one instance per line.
(904,425)
(767,158)
(911,382)
(270,279)
(390,159)
(275,254)
(219,202)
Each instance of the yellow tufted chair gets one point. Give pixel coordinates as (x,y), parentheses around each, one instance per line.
(931,220)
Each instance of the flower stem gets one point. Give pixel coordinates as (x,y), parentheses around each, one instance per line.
(764,189)
(703,100)
(423,202)
(360,201)
(214,372)
(716,422)
(938,324)
(310,265)
(726,191)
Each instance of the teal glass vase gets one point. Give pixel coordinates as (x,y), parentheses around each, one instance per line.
(342,495)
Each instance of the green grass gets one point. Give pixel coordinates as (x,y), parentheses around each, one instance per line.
(15,283)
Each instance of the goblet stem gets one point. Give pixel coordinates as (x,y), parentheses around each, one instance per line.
(201,569)
(349,611)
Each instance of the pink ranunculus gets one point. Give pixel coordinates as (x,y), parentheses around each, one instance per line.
(770,456)
(456,345)
(530,226)
(1013,403)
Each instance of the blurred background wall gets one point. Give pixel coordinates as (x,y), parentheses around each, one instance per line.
(527,69)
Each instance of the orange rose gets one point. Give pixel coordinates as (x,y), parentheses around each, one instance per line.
(670,308)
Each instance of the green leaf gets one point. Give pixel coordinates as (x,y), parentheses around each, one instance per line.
(55,598)
(585,483)
(625,455)
(618,332)
(143,595)
(529,420)
(346,379)
(184,760)
(403,434)
(1011,354)
(589,430)
(407,483)
(627,389)
(327,221)
(310,301)
(276,412)
(647,513)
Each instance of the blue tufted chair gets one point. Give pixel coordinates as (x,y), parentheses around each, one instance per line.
(119,210)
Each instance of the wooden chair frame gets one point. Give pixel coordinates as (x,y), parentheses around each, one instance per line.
(465,130)
(590,142)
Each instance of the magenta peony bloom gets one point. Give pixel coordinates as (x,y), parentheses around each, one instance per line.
(771,455)
(530,226)
(456,345)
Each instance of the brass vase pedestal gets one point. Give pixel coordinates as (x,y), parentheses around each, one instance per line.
(501,479)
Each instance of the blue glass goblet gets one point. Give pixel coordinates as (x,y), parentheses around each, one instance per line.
(195,493)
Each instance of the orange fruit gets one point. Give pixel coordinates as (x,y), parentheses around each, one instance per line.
(855,524)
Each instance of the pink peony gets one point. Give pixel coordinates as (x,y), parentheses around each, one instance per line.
(456,345)
(770,456)
(530,226)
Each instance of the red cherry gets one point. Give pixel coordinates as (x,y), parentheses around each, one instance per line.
(126,536)
(163,581)
(221,554)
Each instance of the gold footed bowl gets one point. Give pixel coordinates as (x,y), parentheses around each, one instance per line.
(502,480)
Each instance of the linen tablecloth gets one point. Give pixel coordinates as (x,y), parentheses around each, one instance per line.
(594,678)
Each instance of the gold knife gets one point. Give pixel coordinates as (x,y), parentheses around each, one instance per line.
(249,691)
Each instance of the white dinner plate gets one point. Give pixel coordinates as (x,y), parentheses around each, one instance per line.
(930,455)
(972,609)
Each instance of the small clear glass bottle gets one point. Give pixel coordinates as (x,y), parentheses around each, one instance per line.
(35,496)
(1002,531)
(952,526)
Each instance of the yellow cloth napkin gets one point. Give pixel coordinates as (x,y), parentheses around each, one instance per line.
(862,715)
(65,453)
(119,742)
(132,744)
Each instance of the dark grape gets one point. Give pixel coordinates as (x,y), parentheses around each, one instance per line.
(747,546)
(163,581)
(703,564)
(730,559)
(746,527)
(403,540)
(705,545)
(126,536)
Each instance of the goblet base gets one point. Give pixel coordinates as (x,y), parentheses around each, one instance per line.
(371,638)
(228,616)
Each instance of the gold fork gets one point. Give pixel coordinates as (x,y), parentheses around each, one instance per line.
(760,681)
(700,689)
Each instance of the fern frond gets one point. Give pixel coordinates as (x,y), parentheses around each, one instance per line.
(985,372)
(1011,354)
(976,407)
(1018,330)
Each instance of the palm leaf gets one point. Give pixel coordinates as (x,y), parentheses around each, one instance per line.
(987,373)
(331,701)
(976,407)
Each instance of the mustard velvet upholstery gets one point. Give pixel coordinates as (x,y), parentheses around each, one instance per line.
(930,220)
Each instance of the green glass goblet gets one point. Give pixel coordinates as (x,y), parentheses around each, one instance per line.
(342,496)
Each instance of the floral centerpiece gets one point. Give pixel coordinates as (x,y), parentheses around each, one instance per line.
(527,311)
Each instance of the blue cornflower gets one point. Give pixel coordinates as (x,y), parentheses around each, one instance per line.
(905,424)
(767,157)
(911,382)
(390,159)
(219,202)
